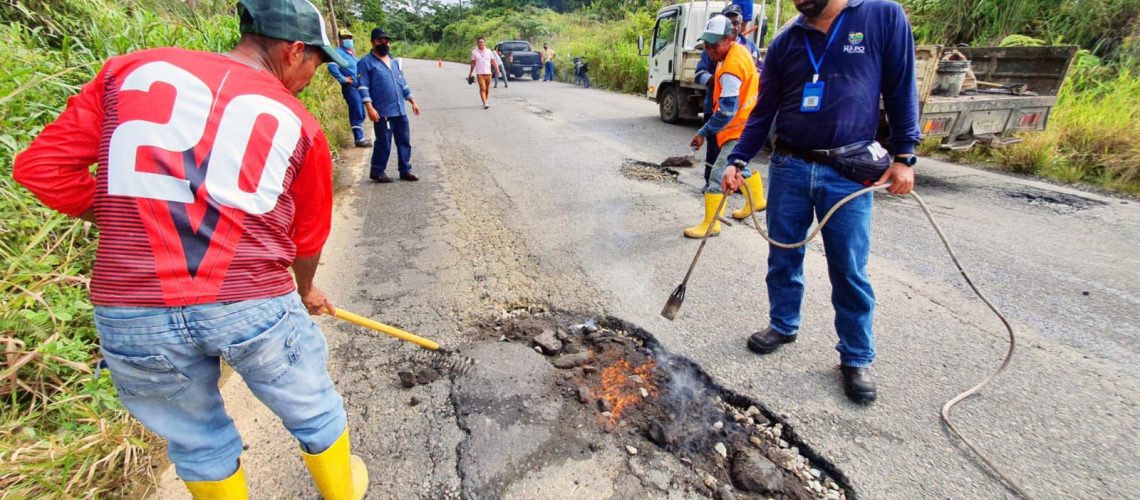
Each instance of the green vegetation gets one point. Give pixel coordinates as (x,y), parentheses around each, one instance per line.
(1093,135)
(62,431)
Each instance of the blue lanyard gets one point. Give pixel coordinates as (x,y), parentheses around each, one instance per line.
(807,44)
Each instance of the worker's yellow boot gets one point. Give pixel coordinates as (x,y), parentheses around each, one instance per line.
(712,201)
(230,488)
(339,475)
(755,187)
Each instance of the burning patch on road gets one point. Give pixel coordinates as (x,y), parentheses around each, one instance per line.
(651,401)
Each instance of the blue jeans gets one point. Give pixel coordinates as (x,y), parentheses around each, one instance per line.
(797,190)
(388,128)
(549,71)
(164,363)
(355,110)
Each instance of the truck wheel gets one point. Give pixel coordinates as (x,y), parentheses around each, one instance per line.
(534,75)
(670,104)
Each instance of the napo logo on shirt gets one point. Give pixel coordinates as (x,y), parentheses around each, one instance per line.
(855,43)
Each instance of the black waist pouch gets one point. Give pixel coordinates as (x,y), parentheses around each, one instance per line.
(864,163)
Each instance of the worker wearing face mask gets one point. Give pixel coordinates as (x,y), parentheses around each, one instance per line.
(349,87)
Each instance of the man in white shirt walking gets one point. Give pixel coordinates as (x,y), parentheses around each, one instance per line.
(483,67)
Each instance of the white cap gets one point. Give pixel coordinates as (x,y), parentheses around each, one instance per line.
(717,28)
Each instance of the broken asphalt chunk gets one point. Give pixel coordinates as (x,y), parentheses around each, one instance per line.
(548,342)
(574,360)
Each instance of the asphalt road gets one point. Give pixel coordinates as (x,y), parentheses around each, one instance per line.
(526,202)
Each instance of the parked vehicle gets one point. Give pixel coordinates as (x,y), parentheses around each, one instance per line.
(673,56)
(520,59)
(1017,86)
(581,72)
(1017,90)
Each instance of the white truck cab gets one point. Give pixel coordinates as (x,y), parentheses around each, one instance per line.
(673,56)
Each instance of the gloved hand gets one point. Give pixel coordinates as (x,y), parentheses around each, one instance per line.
(470,79)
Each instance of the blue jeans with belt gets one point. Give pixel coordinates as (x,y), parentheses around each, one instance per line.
(165,365)
(387,129)
(798,190)
(355,110)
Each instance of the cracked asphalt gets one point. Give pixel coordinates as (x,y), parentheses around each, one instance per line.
(525,202)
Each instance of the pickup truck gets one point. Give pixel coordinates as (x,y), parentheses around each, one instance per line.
(520,59)
(1018,86)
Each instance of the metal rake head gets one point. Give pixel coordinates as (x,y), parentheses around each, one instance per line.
(446,361)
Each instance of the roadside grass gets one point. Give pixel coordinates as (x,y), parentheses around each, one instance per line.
(63,432)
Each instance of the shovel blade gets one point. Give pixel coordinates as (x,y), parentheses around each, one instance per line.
(673,305)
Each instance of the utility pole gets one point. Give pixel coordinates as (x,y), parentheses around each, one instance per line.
(332,18)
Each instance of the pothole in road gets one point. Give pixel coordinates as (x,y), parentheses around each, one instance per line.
(617,387)
(650,172)
(543,112)
(1052,200)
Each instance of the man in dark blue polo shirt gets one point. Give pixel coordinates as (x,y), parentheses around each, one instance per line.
(384,89)
(821,83)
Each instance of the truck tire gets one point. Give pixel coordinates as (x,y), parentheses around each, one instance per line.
(535,74)
(669,103)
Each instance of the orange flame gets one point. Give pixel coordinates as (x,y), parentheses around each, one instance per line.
(621,390)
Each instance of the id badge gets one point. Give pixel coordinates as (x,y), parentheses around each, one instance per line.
(813,97)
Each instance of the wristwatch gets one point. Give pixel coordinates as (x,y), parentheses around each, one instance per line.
(907,160)
(739,164)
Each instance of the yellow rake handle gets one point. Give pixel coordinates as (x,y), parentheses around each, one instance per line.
(382,328)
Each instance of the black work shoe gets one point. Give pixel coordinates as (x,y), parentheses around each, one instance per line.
(768,340)
(364,144)
(858,384)
(409,177)
(382,179)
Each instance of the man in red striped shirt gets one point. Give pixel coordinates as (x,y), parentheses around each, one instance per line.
(212,180)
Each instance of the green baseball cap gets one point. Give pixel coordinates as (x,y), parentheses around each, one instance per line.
(290,20)
(717,28)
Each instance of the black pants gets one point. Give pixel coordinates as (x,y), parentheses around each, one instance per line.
(712,150)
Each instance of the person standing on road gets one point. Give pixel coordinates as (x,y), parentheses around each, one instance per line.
(548,57)
(483,67)
(821,84)
(734,90)
(498,53)
(705,69)
(384,90)
(349,87)
(192,265)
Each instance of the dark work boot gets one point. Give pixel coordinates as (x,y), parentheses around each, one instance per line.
(383,179)
(858,384)
(768,340)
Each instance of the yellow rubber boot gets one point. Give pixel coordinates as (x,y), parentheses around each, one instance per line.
(230,488)
(338,474)
(712,201)
(756,189)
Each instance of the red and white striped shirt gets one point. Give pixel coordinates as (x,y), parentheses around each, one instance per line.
(211,178)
